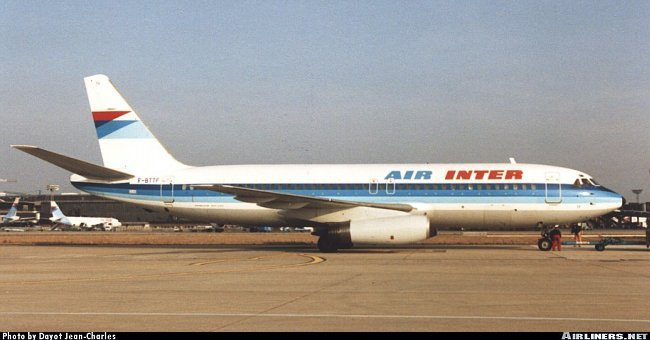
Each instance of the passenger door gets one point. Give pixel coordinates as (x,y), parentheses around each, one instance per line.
(167,190)
(552,188)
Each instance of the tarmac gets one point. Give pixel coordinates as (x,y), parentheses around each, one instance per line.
(293,287)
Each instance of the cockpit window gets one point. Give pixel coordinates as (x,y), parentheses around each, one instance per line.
(582,182)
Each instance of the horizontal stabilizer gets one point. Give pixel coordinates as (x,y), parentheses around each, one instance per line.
(79,167)
(276,200)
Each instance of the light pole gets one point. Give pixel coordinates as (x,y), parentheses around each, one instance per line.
(52,188)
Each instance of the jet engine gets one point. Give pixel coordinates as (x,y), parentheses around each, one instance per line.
(391,230)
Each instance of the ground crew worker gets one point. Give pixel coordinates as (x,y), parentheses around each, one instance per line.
(556,237)
(576,229)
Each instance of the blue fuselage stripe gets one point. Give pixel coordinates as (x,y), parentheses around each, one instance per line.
(425,193)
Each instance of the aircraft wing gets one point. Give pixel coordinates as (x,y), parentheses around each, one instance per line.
(79,167)
(276,200)
(633,213)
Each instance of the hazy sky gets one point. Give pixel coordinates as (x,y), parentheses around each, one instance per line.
(564,83)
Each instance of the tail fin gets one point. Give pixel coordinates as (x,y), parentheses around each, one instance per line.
(125,142)
(11,214)
(57,214)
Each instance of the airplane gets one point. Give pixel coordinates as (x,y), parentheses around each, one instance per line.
(12,218)
(84,223)
(13,229)
(346,204)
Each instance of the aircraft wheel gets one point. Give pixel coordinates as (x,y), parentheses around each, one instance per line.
(544,244)
(327,245)
(600,247)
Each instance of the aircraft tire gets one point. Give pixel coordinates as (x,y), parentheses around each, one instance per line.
(544,244)
(600,247)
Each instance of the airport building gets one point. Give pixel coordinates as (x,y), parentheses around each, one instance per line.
(86,205)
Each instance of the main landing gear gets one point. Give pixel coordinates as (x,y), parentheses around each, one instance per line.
(544,243)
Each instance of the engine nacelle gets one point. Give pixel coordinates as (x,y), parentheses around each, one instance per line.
(389,230)
(392,230)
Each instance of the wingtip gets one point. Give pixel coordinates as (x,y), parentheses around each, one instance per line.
(23,146)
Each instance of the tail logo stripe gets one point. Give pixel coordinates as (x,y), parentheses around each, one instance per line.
(109,126)
(122,129)
(101,116)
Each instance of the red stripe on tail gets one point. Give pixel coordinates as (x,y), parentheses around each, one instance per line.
(107,115)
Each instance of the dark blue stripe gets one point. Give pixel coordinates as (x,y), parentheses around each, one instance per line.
(353,190)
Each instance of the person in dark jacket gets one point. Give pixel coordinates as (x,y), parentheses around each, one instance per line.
(576,230)
(556,237)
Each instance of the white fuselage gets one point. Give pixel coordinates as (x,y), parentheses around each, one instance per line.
(463,195)
(89,222)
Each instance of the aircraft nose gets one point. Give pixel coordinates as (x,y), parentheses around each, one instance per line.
(622,201)
(617,195)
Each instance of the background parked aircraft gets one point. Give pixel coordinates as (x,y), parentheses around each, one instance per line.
(12,218)
(83,223)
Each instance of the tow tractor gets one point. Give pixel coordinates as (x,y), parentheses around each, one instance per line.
(605,241)
(544,243)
